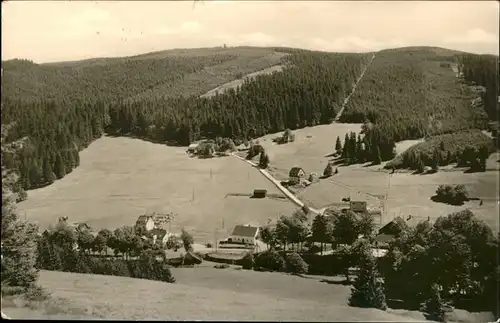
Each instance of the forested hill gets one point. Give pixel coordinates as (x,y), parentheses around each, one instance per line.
(406,93)
(63,107)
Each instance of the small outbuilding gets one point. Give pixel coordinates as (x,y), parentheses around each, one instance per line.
(297,172)
(259,193)
(192,148)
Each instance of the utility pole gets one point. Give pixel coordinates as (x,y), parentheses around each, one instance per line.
(192,197)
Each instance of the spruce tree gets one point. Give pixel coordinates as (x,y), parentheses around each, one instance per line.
(328,170)
(345,150)
(338,145)
(367,290)
(433,307)
(19,238)
(435,160)
(263,160)
(377,158)
(360,158)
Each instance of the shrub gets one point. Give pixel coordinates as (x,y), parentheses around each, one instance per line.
(455,195)
(328,170)
(221,266)
(254,151)
(270,260)
(295,264)
(247,262)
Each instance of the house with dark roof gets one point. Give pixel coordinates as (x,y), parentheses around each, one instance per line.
(246,234)
(145,223)
(297,172)
(159,236)
(396,226)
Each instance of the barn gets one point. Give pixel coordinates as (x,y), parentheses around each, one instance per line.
(259,193)
(192,148)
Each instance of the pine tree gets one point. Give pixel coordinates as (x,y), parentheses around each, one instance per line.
(328,170)
(60,168)
(345,149)
(263,160)
(377,159)
(433,307)
(435,160)
(367,290)
(360,158)
(19,238)
(338,145)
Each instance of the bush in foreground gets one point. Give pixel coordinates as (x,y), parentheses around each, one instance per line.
(295,264)
(367,290)
(247,262)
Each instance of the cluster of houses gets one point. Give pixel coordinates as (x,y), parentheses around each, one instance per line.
(151,228)
(297,176)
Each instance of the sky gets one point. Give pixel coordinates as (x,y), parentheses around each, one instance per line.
(49,31)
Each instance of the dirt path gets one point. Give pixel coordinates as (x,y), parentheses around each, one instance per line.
(346,100)
(285,191)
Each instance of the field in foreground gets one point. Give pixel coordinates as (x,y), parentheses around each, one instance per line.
(120,178)
(206,293)
(244,295)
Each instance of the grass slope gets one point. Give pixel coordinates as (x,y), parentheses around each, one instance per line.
(198,295)
(120,178)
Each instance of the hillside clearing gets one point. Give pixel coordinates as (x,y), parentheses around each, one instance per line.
(246,295)
(120,178)
(234,84)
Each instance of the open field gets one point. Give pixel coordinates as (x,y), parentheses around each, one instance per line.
(208,294)
(309,150)
(407,193)
(120,178)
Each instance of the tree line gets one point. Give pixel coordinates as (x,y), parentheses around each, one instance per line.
(452,261)
(469,148)
(483,71)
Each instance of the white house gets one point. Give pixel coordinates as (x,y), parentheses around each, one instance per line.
(244,234)
(145,222)
(192,148)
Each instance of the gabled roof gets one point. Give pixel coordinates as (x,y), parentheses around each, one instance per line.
(393,227)
(143,219)
(245,231)
(160,233)
(294,172)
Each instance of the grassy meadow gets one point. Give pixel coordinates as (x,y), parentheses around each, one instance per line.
(120,178)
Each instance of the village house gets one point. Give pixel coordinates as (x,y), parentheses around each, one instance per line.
(159,236)
(246,234)
(192,148)
(145,223)
(392,229)
(296,172)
